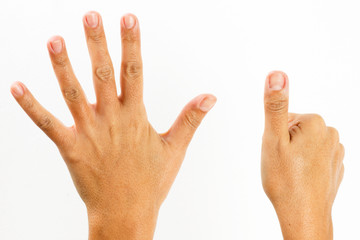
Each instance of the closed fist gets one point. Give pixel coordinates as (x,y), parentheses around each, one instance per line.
(302,165)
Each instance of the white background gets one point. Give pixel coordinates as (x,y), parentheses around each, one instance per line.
(189,47)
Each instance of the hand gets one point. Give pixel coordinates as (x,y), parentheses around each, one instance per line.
(302,165)
(122,168)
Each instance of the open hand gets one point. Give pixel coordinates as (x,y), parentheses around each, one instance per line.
(121,167)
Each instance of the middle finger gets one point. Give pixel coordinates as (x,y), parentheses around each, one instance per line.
(103,71)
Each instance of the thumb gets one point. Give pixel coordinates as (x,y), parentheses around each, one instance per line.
(183,129)
(276,101)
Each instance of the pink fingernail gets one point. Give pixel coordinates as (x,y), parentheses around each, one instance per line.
(129,21)
(207,103)
(276,81)
(92,19)
(56,45)
(17,90)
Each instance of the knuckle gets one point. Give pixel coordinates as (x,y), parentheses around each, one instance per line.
(71,157)
(342,147)
(132,69)
(28,104)
(342,151)
(44,123)
(295,129)
(129,36)
(272,188)
(333,133)
(71,94)
(191,119)
(104,72)
(317,119)
(96,36)
(278,105)
(341,173)
(61,61)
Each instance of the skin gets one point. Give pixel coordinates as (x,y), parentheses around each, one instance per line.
(121,167)
(302,165)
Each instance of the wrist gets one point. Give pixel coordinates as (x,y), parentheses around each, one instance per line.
(297,223)
(134,224)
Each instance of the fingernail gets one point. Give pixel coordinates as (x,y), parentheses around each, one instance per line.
(92,19)
(17,90)
(207,103)
(56,45)
(129,21)
(276,81)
